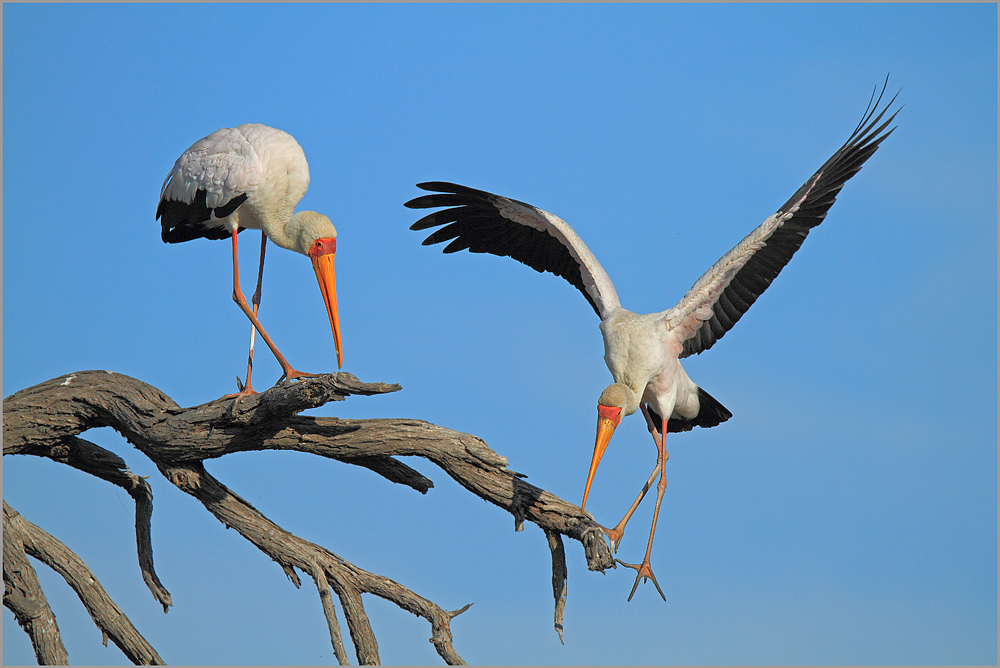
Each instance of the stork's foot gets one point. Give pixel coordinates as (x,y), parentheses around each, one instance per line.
(615,537)
(643,571)
(291,374)
(245,391)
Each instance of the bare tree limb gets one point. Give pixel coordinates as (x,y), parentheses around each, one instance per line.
(292,552)
(558,578)
(323,586)
(46,418)
(106,615)
(95,460)
(23,595)
(168,434)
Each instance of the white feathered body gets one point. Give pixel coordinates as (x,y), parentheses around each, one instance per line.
(251,177)
(643,353)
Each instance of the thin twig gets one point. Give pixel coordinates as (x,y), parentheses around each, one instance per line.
(326,600)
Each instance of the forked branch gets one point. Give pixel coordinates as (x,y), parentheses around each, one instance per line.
(106,615)
(45,420)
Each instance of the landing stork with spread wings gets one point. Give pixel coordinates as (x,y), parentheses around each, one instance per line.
(251,177)
(643,352)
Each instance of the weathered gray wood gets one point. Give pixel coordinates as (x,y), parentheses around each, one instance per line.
(326,600)
(558,579)
(95,460)
(106,615)
(45,420)
(167,434)
(23,595)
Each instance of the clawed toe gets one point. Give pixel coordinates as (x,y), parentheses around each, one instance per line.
(291,374)
(643,571)
(245,391)
(615,537)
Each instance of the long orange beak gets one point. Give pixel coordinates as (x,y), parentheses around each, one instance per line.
(322,253)
(607,420)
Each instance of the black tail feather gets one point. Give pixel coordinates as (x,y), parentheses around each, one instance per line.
(710,414)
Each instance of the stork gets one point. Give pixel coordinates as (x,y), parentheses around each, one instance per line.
(643,352)
(251,177)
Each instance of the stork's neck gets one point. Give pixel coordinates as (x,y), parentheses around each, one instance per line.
(281,233)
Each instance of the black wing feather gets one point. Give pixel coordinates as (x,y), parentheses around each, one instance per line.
(814,199)
(474,222)
(181,221)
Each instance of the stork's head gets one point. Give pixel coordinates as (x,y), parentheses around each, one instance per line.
(616,401)
(317,238)
(307,228)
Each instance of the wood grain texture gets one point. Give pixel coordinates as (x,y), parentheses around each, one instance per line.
(45,420)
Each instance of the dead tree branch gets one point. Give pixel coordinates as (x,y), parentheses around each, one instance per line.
(106,465)
(558,578)
(23,595)
(323,587)
(45,421)
(106,615)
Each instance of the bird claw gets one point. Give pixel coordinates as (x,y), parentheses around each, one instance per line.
(643,571)
(291,374)
(245,391)
(615,537)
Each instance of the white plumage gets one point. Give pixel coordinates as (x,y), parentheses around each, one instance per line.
(643,352)
(226,164)
(250,177)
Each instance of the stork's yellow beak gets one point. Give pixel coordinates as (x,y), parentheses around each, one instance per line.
(322,253)
(607,420)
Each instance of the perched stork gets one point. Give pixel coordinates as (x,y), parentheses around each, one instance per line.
(251,177)
(643,352)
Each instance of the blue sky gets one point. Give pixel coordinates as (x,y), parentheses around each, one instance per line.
(847,512)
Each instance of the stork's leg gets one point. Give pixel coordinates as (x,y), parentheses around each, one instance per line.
(644,570)
(289,372)
(255,301)
(616,534)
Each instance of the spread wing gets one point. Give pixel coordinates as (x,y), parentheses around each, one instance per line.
(486,223)
(719,299)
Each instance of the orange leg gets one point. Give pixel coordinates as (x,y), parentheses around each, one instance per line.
(255,301)
(644,570)
(616,534)
(289,372)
